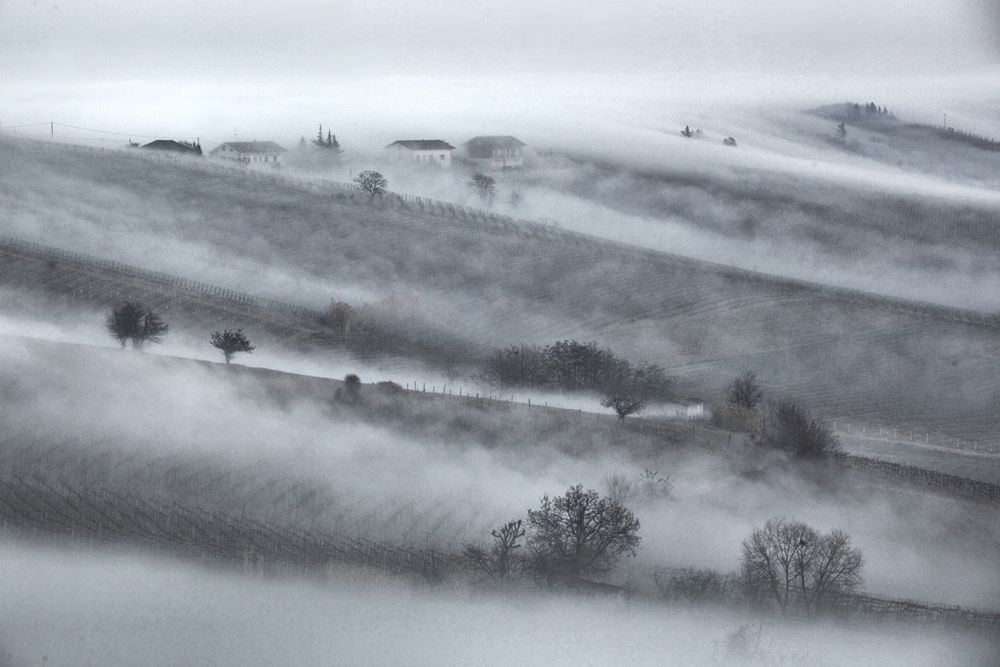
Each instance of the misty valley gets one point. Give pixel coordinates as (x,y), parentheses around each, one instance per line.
(687,370)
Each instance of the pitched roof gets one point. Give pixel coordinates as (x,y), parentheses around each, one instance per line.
(506,141)
(251,147)
(423,145)
(173,145)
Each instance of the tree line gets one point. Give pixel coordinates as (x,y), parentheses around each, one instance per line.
(781,424)
(569,365)
(569,540)
(133,321)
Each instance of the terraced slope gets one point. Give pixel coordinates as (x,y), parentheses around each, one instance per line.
(494,282)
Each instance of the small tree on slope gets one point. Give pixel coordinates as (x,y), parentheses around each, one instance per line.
(230,342)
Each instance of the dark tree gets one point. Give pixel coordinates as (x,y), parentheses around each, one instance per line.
(687,132)
(485,188)
(501,560)
(133,321)
(842,130)
(745,392)
(230,342)
(152,329)
(729,141)
(579,534)
(339,315)
(373,183)
(623,406)
(125,321)
(793,566)
(791,428)
(352,385)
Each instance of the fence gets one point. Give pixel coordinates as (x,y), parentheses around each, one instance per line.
(697,586)
(497,223)
(953,484)
(18,245)
(910,436)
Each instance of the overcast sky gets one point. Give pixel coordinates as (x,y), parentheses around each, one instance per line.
(117,39)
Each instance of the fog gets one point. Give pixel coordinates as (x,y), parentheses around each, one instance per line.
(119,609)
(442,474)
(701,257)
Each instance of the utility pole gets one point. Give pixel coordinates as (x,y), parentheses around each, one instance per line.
(52,130)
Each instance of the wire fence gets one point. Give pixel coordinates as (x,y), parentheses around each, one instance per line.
(19,245)
(502,224)
(910,436)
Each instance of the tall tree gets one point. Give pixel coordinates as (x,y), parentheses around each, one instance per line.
(133,321)
(745,392)
(579,534)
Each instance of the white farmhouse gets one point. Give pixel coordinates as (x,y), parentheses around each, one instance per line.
(251,152)
(495,152)
(424,151)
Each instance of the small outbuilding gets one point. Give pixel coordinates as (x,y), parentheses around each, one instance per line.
(501,152)
(250,152)
(174,146)
(424,151)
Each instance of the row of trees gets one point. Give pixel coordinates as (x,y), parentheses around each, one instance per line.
(781,424)
(571,365)
(132,321)
(579,535)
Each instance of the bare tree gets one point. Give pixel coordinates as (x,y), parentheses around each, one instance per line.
(745,391)
(230,342)
(485,187)
(500,562)
(372,183)
(339,315)
(793,565)
(134,321)
(579,534)
(624,406)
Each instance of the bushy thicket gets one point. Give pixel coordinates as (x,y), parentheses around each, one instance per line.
(569,365)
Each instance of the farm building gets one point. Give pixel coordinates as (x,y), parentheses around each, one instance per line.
(174,146)
(425,151)
(495,152)
(250,152)
(689,408)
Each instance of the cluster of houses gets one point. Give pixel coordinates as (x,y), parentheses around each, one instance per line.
(494,152)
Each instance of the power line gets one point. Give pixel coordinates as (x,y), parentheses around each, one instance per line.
(91,129)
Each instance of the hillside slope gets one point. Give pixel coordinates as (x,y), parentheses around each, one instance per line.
(843,353)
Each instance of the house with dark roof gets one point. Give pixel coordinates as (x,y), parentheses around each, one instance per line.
(174,146)
(500,152)
(250,152)
(424,151)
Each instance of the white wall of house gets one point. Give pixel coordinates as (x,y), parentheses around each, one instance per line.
(503,158)
(438,156)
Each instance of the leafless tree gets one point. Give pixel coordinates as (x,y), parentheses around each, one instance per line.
(793,565)
(373,183)
(339,315)
(230,341)
(579,534)
(745,392)
(501,561)
(624,405)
